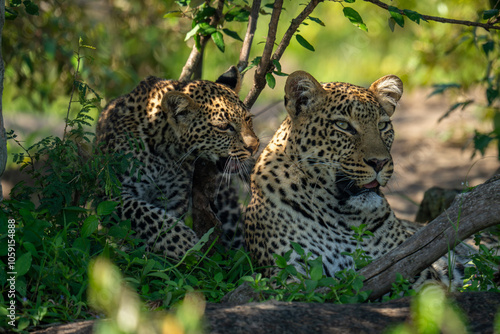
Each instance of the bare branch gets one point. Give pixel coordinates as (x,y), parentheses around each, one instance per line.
(193,66)
(467,215)
(285,41)
(486,26)
(259,81)
(247,42)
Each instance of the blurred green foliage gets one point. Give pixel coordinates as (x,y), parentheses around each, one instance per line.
(146,37)
(135,39)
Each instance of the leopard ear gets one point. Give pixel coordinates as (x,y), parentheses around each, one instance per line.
(180,108)
(231,78)
(302,93)
(388,91)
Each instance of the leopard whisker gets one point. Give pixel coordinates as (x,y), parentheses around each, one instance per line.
(185,156)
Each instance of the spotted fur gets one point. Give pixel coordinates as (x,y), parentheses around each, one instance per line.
(167,125)
(322,172)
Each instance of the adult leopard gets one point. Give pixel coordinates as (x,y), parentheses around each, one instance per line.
(321,174)
(167,125)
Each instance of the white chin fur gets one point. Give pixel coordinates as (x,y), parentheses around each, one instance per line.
(367,201)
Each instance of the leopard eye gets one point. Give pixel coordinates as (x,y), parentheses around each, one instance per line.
(383,125)
(225,127)
(342,125)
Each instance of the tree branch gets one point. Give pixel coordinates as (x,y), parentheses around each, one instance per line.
(486,26)
(259,81)
(468,214)
(247,42)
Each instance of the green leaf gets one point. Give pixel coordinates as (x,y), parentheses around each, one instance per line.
(355,18)
(491,95)
(455,106)
(31,8)
(106,208)
(317,269)
(310,285)
(10,14)
(349,1)
(30,248)
(148,267)
(23,264)
(280,261)
(327,281)
(315,19)
(218,40)
(252,64)
(277,65)
(160,275)
(396,15)
(240,15)
(488,14)
(218,277)
(232,34)
(302,41)
(291,270)
(82,244)
(173,13)
(89,226)
(297,248)
(496,124)
(247,279)
(412,15)
(204,14)
(488,47)
(195,3)
(192,32)
(357,284)
(481,141)
(270,80)
(206,29)
(441,88)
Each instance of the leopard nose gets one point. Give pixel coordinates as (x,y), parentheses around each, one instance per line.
(252,144)
(376,164)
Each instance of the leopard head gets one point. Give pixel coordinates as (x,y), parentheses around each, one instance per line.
(210,122)
(344,128)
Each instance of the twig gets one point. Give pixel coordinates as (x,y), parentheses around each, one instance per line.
(193,66)
(72,90)
(285,41)
(247,42)
(486,26)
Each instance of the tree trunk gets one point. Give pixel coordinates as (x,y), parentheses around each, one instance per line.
(468,214)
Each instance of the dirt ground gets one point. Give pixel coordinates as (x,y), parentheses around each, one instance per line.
(426,153)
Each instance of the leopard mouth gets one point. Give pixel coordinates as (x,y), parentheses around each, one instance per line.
(228,165)
(349,188)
